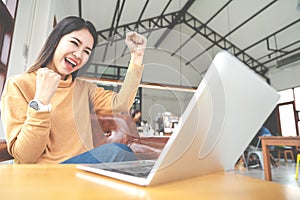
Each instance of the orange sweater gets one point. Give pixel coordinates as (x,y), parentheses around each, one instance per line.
(52,137)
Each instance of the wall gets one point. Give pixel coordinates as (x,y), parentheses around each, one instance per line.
(29,34)
(285,77)
(18,59)
(156,101)
(65,8)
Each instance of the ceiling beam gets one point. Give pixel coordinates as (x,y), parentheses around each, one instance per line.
(236,28)
(169,19)
(136,26)
(175,22)
(148,25)
(272,34)
(250,18)
(224,44)
(79,8)
(119,16)
(161,14)
(117,13)
(200,27)
(114,18)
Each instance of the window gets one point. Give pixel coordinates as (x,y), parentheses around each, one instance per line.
(7,16)
(5,48)
(297,98)
(286,96)
(289,111)
(287,120)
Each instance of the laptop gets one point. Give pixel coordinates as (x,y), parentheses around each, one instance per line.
(226,111)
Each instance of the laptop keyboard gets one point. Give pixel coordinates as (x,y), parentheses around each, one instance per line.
(136,168)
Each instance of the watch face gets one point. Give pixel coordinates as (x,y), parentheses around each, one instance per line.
(34,105)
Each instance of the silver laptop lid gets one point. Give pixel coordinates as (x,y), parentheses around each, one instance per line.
(230,105)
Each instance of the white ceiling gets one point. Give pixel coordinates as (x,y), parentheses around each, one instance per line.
(243,22)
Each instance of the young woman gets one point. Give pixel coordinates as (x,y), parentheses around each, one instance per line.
(46,111)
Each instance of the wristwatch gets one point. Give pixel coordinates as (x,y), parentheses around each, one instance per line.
(39,107)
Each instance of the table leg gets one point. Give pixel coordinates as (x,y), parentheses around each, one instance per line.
(267,166)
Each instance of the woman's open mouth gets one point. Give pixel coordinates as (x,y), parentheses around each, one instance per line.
(70,63)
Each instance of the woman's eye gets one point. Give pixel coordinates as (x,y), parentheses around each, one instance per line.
(75,43)
(87,52)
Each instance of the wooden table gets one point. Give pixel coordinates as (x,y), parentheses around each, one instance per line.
(275,140)
(67,182)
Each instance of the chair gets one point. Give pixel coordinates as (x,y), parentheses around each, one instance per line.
(258,152)
(4,155)
(114,128)
(297,166)
(122,129)
(285,150)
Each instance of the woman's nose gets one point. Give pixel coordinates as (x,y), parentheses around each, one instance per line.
(77,54)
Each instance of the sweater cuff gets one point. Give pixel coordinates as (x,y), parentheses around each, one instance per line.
(41,115)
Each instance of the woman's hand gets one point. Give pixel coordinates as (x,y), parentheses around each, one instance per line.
(136,44)
(46,84)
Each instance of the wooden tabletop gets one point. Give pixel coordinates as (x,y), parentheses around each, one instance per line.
(67,182)
(281,140)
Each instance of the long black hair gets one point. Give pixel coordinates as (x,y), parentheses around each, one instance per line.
(64,27)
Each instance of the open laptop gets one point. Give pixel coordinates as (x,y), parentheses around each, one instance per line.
(229,107)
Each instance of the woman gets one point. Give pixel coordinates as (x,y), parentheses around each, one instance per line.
(46,111)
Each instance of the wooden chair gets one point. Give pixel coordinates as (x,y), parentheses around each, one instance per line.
(285,150)
(115,128)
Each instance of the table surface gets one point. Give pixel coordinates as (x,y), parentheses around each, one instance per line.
(281,140)
(67,182)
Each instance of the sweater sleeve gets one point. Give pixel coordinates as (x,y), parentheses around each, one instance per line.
(108,101)
(125,98)
(27,131)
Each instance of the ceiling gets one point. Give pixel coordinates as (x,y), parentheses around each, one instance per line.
(264,34)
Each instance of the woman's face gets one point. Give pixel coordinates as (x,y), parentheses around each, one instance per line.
(72,52)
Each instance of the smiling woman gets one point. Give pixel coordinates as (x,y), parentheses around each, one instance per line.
(46,110)
(72,52)
(68,32)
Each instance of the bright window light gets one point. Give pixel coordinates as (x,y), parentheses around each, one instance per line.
(287,120)
(286,96)
(297,98)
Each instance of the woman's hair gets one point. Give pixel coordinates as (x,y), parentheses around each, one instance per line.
(64,27)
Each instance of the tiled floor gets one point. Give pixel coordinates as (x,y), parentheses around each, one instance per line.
(283,174)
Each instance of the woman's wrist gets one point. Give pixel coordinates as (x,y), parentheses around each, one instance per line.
(137,60)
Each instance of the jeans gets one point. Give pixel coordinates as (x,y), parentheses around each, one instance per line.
(111,152)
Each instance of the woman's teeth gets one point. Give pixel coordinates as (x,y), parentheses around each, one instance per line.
(71,62)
